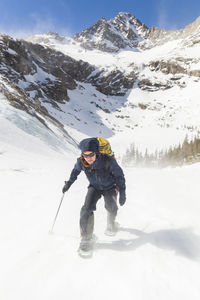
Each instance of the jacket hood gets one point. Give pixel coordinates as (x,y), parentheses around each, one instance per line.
(90,144)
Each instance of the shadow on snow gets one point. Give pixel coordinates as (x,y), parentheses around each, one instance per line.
(182,241)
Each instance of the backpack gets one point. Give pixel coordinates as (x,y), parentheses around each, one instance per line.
(104,146)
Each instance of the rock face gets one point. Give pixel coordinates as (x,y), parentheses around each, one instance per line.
(116,83)
(32,75)
(146,84)
(167,67)
(190,35)
(47,73)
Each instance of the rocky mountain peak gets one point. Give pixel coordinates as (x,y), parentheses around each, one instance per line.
(123,31)
(129,25)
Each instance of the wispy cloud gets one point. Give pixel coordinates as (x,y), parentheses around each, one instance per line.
(36,25)
(163,18)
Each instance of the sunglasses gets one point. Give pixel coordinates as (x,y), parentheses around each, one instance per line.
(89,155)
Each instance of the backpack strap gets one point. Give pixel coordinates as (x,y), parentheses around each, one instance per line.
(106,163)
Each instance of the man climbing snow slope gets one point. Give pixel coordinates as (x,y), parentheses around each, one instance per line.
(106,179)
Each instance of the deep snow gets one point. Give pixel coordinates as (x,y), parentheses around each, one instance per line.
(155,255)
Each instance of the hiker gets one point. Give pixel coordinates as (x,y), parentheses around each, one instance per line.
(106,179)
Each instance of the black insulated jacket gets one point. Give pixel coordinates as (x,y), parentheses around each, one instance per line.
(103,174)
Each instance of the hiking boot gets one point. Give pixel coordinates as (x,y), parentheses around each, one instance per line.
(87,243)
(112,226)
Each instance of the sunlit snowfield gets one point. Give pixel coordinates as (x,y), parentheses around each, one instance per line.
(155,254)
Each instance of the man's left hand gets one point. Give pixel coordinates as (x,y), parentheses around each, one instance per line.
(122,199)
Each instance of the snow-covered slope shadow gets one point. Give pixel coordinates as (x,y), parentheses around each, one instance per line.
(91,112)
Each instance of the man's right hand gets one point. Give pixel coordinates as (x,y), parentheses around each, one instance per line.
(66,186)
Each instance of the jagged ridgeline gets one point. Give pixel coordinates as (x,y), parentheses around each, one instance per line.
(186,153)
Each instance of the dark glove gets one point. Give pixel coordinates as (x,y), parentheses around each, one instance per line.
(122,199)
(66,186)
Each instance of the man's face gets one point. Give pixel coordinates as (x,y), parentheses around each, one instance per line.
(90,157)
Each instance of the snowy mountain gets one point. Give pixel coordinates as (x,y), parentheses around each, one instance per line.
(116,76)
(122,32)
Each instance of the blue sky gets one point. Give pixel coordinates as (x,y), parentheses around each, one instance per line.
(67,17)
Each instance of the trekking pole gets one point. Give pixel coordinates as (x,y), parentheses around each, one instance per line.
(51,231)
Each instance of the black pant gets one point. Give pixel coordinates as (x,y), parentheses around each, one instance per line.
(93,195)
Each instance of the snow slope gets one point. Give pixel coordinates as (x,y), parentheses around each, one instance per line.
(155,255)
